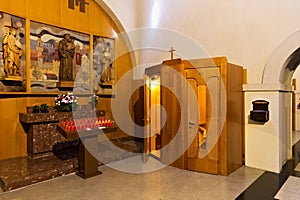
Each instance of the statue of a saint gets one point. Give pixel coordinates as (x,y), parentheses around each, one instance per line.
(106,60)
(66,49)
(12,53)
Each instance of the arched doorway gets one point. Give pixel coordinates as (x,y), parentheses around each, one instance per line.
(281,68)
(269,145)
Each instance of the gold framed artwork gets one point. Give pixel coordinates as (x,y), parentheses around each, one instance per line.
(58,55)
(12,53)
(103,64)
(59,59)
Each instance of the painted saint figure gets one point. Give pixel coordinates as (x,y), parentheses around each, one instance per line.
(98,51)
(12,53)
(106,60)
(66,49)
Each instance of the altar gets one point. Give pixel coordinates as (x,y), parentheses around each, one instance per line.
(55,131)
(60,143)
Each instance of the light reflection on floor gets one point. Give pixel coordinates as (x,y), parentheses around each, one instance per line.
(167,183)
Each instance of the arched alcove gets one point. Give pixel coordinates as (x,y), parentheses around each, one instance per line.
(273,138)
(122,31)
(283,62)
(290,66)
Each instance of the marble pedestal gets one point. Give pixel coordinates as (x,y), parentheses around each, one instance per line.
(42,133)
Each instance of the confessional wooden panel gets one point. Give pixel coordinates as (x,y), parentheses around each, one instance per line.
(196,162)
(217,84)
(231,137)
(172,85)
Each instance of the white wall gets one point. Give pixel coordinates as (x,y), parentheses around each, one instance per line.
(246,31)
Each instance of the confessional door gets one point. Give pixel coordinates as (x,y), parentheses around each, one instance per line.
(152,117)
(203,154)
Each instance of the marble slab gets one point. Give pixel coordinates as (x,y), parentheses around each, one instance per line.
(23,171)
(44,117)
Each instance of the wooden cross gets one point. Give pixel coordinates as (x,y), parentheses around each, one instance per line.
(172,52)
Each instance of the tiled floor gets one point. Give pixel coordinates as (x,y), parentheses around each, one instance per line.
(297,168)
(167,183)
(290,190)
(295,137)
(269,184)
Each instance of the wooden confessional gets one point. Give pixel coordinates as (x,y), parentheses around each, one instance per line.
(208,140)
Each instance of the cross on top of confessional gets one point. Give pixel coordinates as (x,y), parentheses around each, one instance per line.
(172,52)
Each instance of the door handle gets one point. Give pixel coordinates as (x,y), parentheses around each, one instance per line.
(192,123)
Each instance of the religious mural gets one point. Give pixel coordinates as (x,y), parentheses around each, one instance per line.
(57,54)
(12,53)
(103,63)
